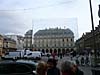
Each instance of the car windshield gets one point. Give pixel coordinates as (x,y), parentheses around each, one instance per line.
(34,31)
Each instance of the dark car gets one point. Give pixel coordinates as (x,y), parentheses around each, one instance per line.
(17,68)
(30,63)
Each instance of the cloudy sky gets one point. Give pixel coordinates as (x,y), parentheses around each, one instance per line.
(18,16)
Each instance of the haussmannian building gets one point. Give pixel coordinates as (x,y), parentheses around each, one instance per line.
(19,41)
(28,40)
(8,44)
(1,45)
(54,40)
(86,42)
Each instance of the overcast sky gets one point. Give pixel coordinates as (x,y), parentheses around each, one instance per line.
(18,16)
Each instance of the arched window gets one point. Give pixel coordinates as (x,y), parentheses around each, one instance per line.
(50,50)
(47,51)
(43,51)
(55,51)
(59,50)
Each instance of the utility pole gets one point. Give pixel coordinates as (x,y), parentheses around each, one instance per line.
(93,35)
(32,36)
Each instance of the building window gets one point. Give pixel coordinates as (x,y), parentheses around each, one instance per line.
(47,51)
(63,40)
(28,45)
(34,45)
(71,39)
(43,51)
(71,44)
(63,45)
(55,45)
(47,45)
(67,39)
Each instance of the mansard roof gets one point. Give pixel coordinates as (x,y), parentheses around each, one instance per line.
(54,31)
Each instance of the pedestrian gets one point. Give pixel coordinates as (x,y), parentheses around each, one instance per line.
(71,57)
(66,68)
(76,70)
(69,68)
(77,61)
(87,61)
(53,55)
(82,60)
(60,55)
(41,68)
(48,55)
(52,69)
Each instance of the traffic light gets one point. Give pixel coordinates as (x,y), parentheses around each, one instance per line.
(99,11)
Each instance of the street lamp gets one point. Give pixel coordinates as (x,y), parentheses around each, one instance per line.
(93,35)
(99,12)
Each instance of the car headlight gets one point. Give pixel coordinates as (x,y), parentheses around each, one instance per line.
(34,72)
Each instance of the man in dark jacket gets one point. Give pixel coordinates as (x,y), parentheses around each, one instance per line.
(79,72)
(76,70)
(52,69)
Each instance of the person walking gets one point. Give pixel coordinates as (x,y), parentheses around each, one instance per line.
(69,68)
(87,61)
(41,68)
(66,68)
(53,55)
(52,69)
(77,61)
(60,55)
(82,61)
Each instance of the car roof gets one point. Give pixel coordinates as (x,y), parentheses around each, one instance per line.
(27,61)
(17,62)
(8,68)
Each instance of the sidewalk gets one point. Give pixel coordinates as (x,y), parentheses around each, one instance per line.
(85,69)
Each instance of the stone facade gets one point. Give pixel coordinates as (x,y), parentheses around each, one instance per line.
(54,40)
(1,45)
(28,40)
(8,44)
(86,42)
(19,41)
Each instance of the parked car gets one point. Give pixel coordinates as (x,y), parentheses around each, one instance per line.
(18,67)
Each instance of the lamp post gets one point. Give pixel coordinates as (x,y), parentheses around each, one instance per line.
(93,35)
(99,13)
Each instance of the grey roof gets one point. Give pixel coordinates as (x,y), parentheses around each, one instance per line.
(8,39)
(1,35)
(55,31)
(29,32)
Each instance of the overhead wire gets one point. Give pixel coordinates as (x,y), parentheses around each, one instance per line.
(35,8)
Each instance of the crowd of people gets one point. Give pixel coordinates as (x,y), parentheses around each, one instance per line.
(50,68)
(82,60)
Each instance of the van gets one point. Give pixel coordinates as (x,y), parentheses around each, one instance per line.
(33,55)
(13,55)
